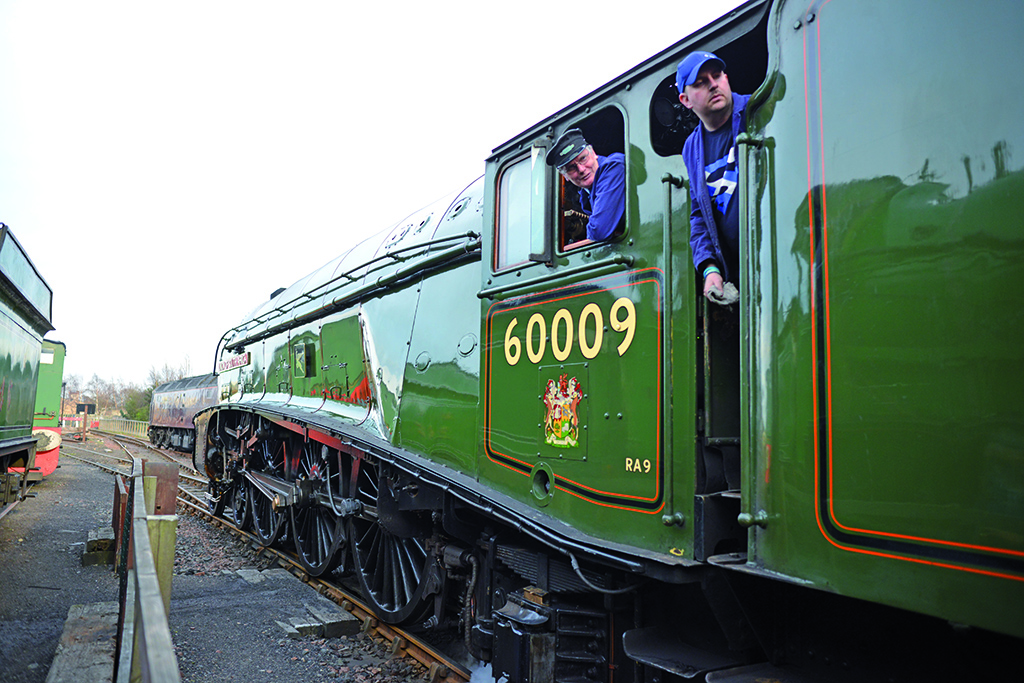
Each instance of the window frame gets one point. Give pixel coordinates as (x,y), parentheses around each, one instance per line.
(536,247)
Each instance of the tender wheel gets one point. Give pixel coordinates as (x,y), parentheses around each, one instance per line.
(268,522)
(388,549)
(318,533)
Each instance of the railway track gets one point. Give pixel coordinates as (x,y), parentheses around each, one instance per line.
(192,499)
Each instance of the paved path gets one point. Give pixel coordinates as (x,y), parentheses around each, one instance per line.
(41,572)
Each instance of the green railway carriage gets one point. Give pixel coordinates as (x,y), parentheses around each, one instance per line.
(559,448)
(49,408)
(25,311)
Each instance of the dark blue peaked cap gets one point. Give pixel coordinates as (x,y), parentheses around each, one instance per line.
(566,148)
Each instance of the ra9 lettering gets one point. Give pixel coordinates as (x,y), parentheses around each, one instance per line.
(638,465)
(588,332)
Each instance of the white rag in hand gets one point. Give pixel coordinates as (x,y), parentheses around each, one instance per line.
(729,296)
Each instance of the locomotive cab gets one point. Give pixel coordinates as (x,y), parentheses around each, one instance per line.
(611,389)
(717,330)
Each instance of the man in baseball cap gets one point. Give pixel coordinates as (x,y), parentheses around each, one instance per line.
(601,179)
(710,157)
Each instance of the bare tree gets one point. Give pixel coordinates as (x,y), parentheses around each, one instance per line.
(166,374)
(103,393)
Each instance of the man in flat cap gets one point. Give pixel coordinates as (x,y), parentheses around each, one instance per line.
(602,181)
(710,157)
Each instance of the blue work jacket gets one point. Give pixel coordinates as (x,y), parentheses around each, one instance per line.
(605,201)
(704,240)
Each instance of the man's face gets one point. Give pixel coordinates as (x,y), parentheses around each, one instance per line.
(582,170)
(710,96)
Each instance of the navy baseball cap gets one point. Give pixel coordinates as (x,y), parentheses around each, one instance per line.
(566,148)
(688,69)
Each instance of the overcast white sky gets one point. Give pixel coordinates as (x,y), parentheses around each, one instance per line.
(167,165)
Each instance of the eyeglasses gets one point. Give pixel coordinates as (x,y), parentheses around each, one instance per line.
(576,164)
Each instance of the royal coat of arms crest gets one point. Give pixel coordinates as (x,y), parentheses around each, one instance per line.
(561,419)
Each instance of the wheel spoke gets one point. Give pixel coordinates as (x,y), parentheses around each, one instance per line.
(268,522)
(316,530)
(389,567)
(238,503)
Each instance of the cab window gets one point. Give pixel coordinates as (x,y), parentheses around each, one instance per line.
(514,201)
(605,132)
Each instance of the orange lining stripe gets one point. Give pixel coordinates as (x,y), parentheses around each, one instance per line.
(828,358)
(658,445)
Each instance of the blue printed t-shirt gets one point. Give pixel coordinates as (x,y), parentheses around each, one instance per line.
(721,176)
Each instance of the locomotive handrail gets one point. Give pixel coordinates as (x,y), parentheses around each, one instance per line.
(612,263)
(399,255)
(442,258)
(670,181)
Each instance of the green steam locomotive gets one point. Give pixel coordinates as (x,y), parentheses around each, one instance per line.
(559,449)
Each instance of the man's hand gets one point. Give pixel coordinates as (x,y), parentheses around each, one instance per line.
(713,281)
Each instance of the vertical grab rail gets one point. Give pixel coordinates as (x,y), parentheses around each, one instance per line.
(671,516)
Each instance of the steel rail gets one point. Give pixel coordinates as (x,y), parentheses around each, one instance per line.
(142,443)
(192,500)
(442,669)
(107,468)
(111,456)
(10,506)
